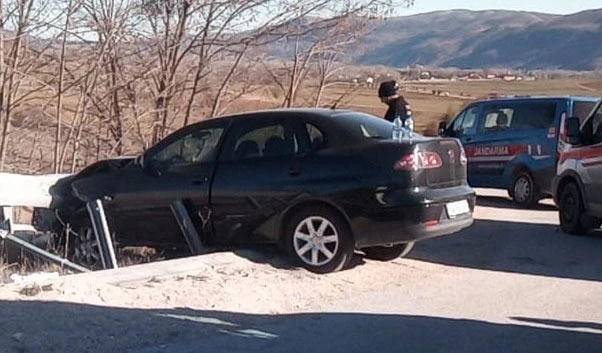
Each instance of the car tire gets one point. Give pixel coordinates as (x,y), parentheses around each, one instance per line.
(388,253)
(84,248)
(523,190)
(319,240)
(571,210)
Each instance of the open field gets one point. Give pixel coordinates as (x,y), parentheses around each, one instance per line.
(430,108)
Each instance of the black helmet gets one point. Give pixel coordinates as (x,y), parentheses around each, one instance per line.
(387,89)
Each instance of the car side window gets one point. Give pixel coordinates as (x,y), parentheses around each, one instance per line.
(316,138)
(466,122)
(592,129)
(273,138)
(194,147)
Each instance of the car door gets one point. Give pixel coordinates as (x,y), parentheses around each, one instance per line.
(180,167)
(590,157)
(464,128)
(260,172)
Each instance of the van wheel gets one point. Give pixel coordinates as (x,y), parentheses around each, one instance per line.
(571,210)
(523,190)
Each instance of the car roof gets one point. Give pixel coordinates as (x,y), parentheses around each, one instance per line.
(538,97)
(321,112)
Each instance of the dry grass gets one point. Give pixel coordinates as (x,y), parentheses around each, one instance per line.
(433,101)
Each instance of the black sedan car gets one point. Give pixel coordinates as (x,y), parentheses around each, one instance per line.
(321,183)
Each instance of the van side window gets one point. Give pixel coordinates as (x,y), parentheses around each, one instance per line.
(519,116)
(497,118)
(534,115)
(465,123)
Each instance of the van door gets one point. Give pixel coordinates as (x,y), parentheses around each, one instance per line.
(464,128)
(491,150)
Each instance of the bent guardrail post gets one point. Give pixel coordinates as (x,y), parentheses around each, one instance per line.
(103,236)
(187,227)
(43,254)
(7,231)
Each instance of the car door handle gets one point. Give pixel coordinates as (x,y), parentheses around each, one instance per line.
(199,180)
(294,171)
(468,139)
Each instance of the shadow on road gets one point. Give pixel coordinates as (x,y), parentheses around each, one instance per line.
(504,202)
(528,248)
(277,258)
(560,323)
(32,326)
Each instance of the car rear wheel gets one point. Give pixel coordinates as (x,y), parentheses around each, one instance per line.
(523,190)
(388,253)
(319,240)
(571,210)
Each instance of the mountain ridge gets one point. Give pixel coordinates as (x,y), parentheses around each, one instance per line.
(480,39)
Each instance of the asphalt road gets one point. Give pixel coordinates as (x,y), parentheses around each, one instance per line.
(510,283)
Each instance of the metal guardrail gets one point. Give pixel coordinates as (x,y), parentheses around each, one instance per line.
(103,236)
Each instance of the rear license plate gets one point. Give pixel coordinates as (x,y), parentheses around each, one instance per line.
(457,208)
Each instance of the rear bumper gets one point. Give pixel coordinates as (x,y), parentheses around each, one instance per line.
(420,220)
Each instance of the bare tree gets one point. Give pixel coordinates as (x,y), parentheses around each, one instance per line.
(21,21)
(322,39)
(72,6)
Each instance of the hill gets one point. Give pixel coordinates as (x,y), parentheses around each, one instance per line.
(480,39)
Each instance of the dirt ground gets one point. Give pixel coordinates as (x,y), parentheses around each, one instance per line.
(508,279)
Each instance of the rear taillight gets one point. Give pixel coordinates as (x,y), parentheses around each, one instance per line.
(463,159)
(407,162)
(418,160)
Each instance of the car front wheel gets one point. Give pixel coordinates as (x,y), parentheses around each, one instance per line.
(388,253)
(571,210)
(319,240)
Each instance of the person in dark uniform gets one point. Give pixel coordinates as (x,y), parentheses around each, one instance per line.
(398,106)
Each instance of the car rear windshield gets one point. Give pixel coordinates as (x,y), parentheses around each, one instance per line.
(367,126)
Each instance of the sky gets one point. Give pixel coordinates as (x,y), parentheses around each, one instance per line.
(561,7)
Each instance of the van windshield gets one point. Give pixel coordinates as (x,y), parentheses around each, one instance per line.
(582,109)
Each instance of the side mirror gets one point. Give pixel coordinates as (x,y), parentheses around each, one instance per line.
(442,128)
(573,133)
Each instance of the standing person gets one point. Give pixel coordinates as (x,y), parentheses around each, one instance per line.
(398,106)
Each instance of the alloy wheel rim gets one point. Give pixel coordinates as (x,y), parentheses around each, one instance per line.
(316,241)
(522,189)
(86,249)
